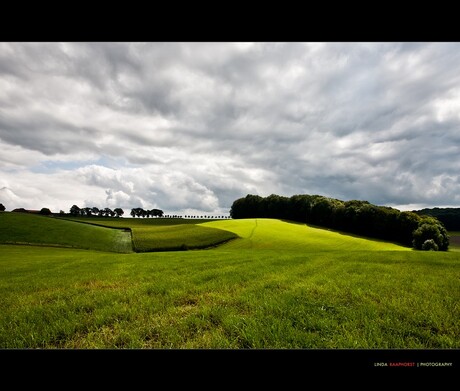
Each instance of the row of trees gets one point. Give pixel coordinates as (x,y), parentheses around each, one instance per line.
(117,212)
(105,212)
(139,212)
(355,216)
(135,212)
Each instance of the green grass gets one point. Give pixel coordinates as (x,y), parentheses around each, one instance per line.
(278,286)
(63,298)
(22,228)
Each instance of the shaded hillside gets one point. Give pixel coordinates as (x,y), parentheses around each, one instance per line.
(450,217)
(35,229)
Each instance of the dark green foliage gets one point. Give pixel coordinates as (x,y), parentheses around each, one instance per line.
(75,210)
(140,212)
(2,208)
(450,217)
(430,244)
(431,230)
(354,216)
(250,206)
(45,211)
(406,224)
(119,212)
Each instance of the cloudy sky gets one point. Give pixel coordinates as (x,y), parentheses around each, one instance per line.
(190,127)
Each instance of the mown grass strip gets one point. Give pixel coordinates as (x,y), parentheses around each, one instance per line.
(178,237)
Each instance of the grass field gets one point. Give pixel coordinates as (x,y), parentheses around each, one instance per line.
(279,285)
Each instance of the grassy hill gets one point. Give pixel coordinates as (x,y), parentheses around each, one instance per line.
(23,228)
(288,236)
(173,234)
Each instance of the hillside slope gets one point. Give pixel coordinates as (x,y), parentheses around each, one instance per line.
(275,234)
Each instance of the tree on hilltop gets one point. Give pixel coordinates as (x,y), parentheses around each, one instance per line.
(2,208)
(86,211)
(157,212)
(119,212)
(75,210)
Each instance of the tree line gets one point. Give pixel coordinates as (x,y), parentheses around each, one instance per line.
(94,211)
(75,210)
(139,212)
(116,212)
(422,232)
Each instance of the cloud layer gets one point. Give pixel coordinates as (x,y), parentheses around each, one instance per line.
(192,126)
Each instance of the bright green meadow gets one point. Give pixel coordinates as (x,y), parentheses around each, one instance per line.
(272,285)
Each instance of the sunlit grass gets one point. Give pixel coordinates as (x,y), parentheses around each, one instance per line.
(260,234)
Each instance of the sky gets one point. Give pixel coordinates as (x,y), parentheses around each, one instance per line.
(189,127)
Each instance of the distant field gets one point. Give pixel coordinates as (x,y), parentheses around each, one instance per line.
(22,228)
(127,222)
(164,234)
(178,237)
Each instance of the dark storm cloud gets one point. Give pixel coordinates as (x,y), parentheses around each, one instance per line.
(197,125)
(47,134)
